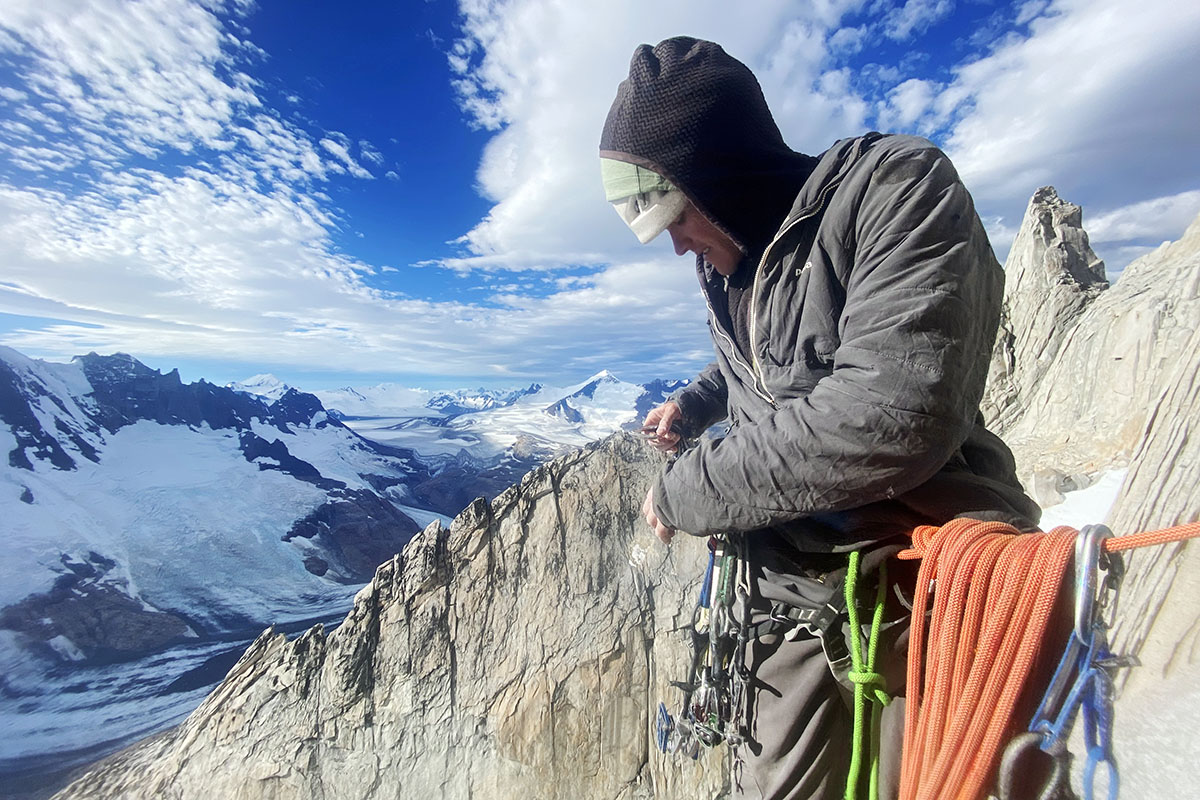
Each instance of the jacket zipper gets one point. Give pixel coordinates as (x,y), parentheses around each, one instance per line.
(756,369)
(733,350)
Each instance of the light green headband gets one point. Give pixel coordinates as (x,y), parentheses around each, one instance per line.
(622,179)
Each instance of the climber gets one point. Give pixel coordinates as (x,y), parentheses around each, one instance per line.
(853,301)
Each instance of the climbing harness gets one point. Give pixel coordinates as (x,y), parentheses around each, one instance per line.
(716,677)
(973,645)
(713,695)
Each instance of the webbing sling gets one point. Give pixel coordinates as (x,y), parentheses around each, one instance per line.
(868,684)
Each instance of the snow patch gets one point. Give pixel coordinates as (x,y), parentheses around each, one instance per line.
(66,648)
(1087,506)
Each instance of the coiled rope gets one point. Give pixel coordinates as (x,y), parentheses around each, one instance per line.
(996,591)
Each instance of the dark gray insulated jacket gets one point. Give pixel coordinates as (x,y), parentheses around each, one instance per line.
(856,417)
(873,310)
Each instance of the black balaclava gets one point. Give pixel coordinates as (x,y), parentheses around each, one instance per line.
(697,116)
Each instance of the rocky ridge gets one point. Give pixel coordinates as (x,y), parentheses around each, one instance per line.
(1088,378)
(522,652)
(1079,366)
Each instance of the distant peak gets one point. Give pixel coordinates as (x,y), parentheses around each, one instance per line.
(261,378)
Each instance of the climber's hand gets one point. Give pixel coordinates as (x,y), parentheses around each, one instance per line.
(661,427)
(664,533)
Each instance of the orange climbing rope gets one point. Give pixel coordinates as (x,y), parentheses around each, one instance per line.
(996,592)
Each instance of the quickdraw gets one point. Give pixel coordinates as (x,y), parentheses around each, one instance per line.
(713,695)
(716,680)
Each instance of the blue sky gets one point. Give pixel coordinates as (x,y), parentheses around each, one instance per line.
(343,194)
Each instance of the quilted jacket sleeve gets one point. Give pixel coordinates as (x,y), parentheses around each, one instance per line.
(703,401)
(922,303)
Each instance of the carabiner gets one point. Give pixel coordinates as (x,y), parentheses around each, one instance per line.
(1088,548)
(1098,719)
(1020,761)
(1094,759)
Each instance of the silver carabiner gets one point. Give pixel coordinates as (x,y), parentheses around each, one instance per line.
(1088,548)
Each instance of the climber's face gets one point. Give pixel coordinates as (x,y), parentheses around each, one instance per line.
(692,232)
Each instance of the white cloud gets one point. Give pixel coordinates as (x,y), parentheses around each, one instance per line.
(520,64)
(116,66)
(342,154)
(1000,233)
(201,267)
(1096,100)
(908,103)
(1158,219)
(915,16)
(40,159)
(230,256)
(1031,9)
(370,153)
(848,41)
(110,80)
(1117,259)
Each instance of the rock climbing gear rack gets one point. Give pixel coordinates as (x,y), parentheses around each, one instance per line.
(716,680)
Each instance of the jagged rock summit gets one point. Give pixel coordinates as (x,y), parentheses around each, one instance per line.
(1078,366)
(1051,276)
(521,653)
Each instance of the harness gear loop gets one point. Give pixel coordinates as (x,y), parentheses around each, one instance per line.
(865,679)
(714,685)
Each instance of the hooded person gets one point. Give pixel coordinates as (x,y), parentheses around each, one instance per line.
(853,300)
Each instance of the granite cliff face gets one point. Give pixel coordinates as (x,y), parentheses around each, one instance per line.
(1078,366)
(521,653)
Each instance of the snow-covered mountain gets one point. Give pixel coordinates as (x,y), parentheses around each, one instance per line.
(151,526)
(141,511)
(177,510)
(478,442)
(485,426)
(264,385)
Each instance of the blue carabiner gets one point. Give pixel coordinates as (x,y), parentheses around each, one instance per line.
(1098,718)
(1082,683)
(1089,776)
(706,589)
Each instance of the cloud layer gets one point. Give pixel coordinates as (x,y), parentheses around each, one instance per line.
(153,201)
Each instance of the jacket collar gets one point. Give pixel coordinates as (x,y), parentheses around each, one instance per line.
(832,167)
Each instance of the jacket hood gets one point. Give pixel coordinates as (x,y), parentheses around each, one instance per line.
(697,116)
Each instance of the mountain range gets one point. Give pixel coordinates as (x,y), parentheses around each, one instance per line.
(145,517)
